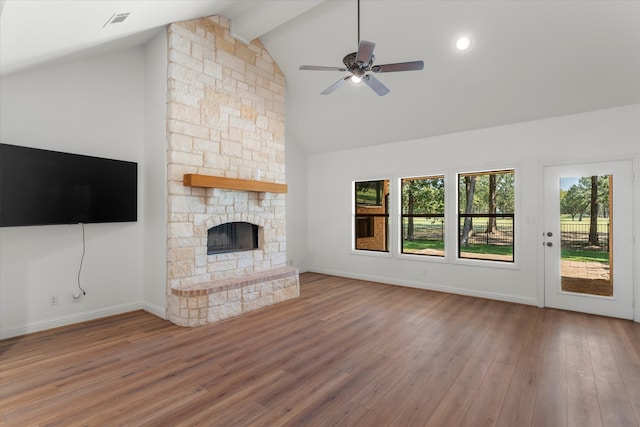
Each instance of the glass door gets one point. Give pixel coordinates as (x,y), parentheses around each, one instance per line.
(587,238)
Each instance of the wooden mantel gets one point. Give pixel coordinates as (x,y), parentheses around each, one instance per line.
(208,181)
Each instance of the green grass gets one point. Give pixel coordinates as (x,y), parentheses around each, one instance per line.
(488,249)
(567,254)
(423,244)
(584,256)
(367,197)
(439,245)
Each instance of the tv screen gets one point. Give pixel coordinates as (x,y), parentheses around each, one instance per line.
(42,187)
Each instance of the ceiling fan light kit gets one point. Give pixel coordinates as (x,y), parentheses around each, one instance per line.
(360,65)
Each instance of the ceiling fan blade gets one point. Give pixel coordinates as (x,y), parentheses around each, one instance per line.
(365,52)
(376,85)
(321,68)
(334,86)
(400,66)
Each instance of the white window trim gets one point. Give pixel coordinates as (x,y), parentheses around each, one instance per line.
(364,252)
(451,216)
(398,217)
(454,242)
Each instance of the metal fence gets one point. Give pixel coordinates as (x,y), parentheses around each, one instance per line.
(576,237)
(424,229)
(501,236)
(433,229)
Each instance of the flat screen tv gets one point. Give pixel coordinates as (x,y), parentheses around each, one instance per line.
(42,187)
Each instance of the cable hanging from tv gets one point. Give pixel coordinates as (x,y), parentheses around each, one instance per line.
(84,249)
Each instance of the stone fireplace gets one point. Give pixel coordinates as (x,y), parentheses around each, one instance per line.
(225,108)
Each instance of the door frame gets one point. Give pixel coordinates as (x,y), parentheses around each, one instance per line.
(635,223)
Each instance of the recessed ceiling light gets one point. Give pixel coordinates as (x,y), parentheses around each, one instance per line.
(463,43)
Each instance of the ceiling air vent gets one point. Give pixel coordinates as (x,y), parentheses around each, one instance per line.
(116,18)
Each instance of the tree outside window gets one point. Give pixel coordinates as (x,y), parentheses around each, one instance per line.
(589,197)
(486,215)
(423,215)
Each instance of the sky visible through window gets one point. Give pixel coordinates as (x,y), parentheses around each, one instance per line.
(567,183)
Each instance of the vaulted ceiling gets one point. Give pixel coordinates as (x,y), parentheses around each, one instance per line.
(528,59)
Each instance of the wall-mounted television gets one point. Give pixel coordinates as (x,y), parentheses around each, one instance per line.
(42,187)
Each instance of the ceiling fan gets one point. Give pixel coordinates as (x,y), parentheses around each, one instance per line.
(360,64)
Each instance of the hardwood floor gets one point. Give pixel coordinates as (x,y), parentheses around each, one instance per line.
(346,353)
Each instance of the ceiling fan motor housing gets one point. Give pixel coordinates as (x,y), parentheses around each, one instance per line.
(350,62)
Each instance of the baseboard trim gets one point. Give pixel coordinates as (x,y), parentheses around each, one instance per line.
(156,310)
(56,322)
(432,287)
(160,312)
(303,270)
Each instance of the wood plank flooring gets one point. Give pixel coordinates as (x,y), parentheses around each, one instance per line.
(346,353)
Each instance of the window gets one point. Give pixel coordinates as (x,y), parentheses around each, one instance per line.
(372,215)
(486,215)
(423,216)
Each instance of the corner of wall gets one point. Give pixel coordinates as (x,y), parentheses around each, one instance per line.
(153,175)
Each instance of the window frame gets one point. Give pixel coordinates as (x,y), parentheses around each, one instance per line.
(508,264)
(451,177)
(355,216)
(401,215)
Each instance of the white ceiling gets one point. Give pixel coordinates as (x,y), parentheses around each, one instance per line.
(529,59)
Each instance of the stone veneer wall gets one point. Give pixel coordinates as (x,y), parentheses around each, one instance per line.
(225,118)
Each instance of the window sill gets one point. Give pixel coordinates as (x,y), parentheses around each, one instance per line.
(423,258)
(371,253)
(507,265)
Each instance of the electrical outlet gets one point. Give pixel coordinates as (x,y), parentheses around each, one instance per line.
(76,296)
(53,300)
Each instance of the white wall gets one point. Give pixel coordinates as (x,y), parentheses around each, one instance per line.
(296,204)
(94,106)
(109,106)
(613,133)
(154,175)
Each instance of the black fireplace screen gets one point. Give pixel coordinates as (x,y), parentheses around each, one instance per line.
(232,237)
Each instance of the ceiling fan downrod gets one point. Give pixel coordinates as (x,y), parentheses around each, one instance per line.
(358,23)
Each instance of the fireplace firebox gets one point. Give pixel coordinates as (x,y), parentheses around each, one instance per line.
(232,237)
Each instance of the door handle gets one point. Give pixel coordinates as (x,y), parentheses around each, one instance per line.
(549,244)
(549,234)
